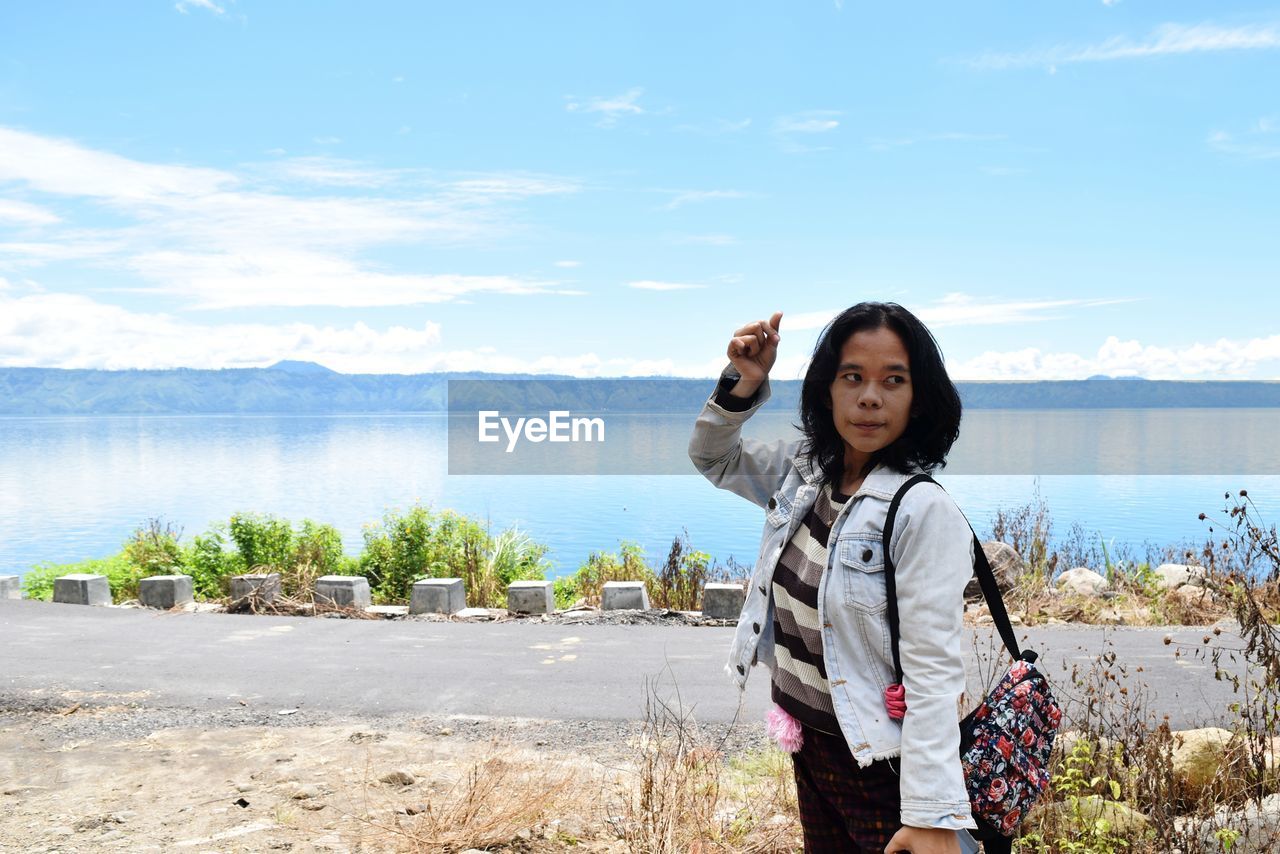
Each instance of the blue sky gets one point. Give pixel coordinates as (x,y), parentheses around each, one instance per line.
(600,189)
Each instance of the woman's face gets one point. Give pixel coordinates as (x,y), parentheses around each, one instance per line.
(871,394)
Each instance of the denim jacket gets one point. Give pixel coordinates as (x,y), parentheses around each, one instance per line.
(932,551)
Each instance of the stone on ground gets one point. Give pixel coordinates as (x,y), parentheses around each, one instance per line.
(531,597)
(624,595)
(438,596)
(1083,581)
(82,589)
(722,601)
(166,591)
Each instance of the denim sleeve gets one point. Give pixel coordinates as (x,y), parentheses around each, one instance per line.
(748,467)
(933,559)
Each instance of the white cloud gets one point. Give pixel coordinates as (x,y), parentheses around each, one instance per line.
(1261,142)
(1165,40)
(695,196)
(789,129)
(810,121)
(649,285)
(964,310)
(225,239)
(24,213)
(72,331)
(332,172)
(1225,358)
(284,277)
(184,6)
(610,108)
(958,309)
(65,168)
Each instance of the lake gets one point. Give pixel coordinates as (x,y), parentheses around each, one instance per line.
(75,487)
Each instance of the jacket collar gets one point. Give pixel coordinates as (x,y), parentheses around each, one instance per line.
(881,481)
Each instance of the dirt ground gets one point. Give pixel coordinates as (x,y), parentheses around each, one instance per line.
(81,773)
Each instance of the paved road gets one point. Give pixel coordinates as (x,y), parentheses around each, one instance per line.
(519,669)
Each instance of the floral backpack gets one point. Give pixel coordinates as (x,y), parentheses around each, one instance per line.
(1005,742)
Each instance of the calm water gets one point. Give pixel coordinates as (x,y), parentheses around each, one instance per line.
(74,488)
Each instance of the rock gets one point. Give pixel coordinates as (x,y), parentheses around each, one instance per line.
(1125,822)
(111,836)
(1170,576)
(1083,581)
(1006,565)
(313,806)
(414,809)
(398,778)
(1190,596)
(242,788)
(1110,617)
(87,823)
(309,790)
(1198,756)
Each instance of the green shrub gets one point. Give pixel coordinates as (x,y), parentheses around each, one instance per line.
(210,564)
(265,542)
(421,543)
(153,549)
(588,582)
(122,576)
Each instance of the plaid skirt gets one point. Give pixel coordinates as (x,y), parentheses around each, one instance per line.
(843,807)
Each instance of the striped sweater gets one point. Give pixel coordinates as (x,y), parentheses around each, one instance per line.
(800,678)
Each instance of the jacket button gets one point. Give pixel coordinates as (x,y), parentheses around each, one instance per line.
(742,670)
(866,554)
(755,627)
(773,502)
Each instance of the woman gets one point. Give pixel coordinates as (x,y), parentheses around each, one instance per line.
(876,407)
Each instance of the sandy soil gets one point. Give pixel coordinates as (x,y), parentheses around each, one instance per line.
(81,773)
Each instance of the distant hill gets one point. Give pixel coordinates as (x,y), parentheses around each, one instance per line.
(294,367)
(305,387)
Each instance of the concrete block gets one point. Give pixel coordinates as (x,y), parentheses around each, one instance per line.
(264,587)
(82,589)
(10,587)
(438,596)
(723,601)
(531,597)
(165,591)
(344,591)
(624,595)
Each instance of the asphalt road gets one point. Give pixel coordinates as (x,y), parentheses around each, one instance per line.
(514,669)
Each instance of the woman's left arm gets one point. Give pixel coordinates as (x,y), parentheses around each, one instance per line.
(933,555)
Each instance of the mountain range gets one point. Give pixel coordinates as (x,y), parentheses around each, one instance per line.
(293,387)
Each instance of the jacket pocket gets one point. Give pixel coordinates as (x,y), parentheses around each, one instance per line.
(778,510)
(862,565)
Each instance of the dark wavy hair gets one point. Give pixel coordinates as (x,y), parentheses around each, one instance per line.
(934,424)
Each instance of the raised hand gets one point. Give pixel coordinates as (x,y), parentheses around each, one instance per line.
(754,348)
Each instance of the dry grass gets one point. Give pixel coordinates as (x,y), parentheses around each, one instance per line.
(673,790)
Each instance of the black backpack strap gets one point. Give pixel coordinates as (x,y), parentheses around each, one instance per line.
(981,567)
